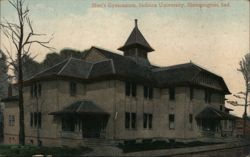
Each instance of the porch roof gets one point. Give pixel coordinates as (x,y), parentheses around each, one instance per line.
(82,107)
(212,113)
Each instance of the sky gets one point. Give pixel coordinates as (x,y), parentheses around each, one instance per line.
(211,33)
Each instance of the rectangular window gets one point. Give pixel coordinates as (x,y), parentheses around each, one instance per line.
(127,120)
(35,90)
(151,93)
(130,120)
(172,93)
(39,117)
(190,121)
(145,91)
(31,119)
(127,88)
(191,93)
(10,120)
(72,88)
(133,120)
(171,121)
(13,120)
(150,121)
(133,89)
(145,120)
(148,92)
(130,89)
(35,119)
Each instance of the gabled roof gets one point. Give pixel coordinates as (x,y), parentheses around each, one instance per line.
(212,113)
(81,107)
(184,74)
(136,39)
(71,67)
(115,66)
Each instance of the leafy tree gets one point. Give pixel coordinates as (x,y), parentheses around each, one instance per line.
(30,67)
(3,76)
(54,58)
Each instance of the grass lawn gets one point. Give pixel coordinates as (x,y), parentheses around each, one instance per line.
(135,147)
(28,150)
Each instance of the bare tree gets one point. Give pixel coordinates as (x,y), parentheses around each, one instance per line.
(21,35)
(245,71)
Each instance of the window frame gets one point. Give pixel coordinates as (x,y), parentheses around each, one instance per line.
(171,120)
(134,89)
(172,94)
(133,120)
(127,120)
(31,119)
(147,120)
(130,89)
(130,120)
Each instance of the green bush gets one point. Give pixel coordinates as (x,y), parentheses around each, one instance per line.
(29,150)
(160,144)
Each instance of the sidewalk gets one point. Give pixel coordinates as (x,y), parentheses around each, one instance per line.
(114,151)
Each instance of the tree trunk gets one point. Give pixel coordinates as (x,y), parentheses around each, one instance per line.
(20,87)
(245,109)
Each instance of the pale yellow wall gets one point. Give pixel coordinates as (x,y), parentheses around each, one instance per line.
(110,95)
(11,132)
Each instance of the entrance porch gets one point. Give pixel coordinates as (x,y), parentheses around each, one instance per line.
(83,118)
(211,122)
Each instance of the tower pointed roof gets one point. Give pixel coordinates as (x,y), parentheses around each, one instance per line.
(136,39)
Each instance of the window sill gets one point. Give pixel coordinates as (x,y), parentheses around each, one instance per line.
(147,129)
(130,129)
